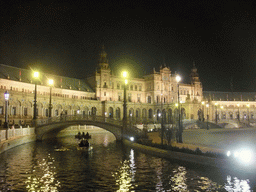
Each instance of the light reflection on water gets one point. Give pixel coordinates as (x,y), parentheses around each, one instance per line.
(42,177)
(110,167)
(237,185)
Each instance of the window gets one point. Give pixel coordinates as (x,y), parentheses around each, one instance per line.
(140,88)
(1,110)
(138,98)
(14,111)
(47,112)
(105,93)
(157,99)
(25,111)
(118,86)
(119,96)
(131,87)
(149,99)
(129,97)
(135,87)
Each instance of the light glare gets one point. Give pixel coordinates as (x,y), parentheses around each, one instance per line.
(50,81)
(36,74)
(124,74)
(178,78)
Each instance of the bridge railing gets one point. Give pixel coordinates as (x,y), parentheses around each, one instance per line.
(131,125)
(66,118)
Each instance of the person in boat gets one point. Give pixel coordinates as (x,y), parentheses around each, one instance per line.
(78,135)
(84,143)
(87,136)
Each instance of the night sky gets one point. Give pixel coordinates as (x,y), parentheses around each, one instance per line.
(65,37)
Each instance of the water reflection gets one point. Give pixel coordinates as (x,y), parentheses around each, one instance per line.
(184,181)
(178,180)
(111,167)
(42,177)
(126,174)
(159,183)
(237,185)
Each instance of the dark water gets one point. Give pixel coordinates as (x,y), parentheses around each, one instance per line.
(109,167)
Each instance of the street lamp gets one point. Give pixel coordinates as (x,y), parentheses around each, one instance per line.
(36,76)
(162,121)
(203,110)
(50,82)
(125,106)
(238,115)
(216,113)
(207,106)
(6,124)
(178,78)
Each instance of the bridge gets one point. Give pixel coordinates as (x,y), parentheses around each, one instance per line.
(54,125)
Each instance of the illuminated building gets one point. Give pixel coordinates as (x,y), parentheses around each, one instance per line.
(102,94)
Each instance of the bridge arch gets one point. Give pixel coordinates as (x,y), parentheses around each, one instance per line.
(54,125)
(42,132)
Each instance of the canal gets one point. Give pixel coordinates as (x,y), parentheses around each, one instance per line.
(57,165)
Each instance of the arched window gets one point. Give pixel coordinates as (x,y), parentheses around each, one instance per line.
(150,113)
(118,113)
(149,99)
(157,99)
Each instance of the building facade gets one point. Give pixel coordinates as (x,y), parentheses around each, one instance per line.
(148,98)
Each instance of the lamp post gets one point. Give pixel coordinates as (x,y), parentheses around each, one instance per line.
(124,106)
(238,115)
(248,114)
(50,102)
(207,118)
(216,113)
(6,124)
(162,122)
(36,75)
(178,78)
(203,110)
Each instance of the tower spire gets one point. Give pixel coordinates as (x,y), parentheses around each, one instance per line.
(103,61)
(194,74)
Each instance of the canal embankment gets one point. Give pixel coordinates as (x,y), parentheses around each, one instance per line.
(196,160)
(220,160)
(14,137)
